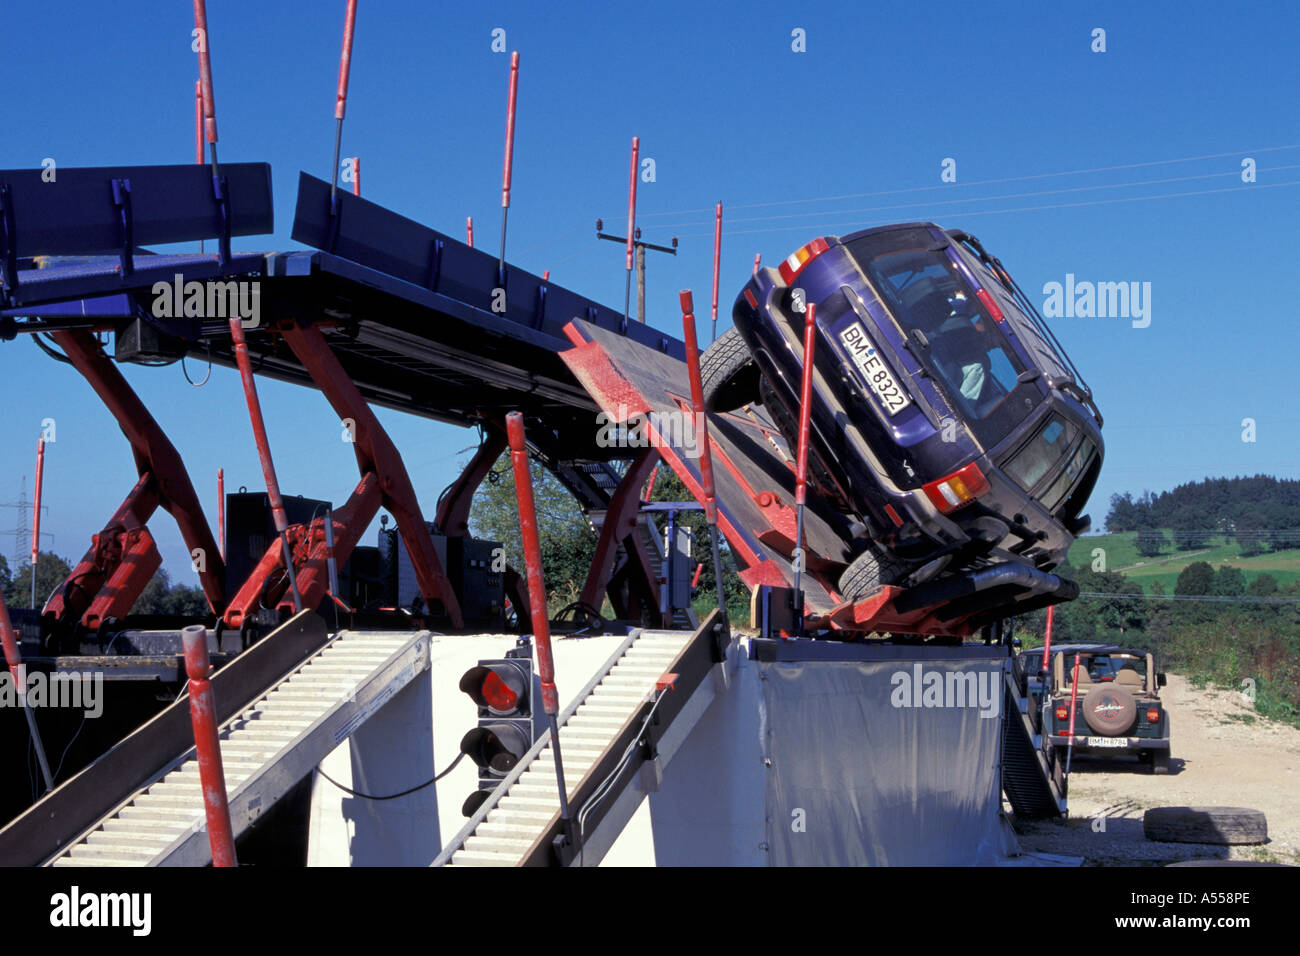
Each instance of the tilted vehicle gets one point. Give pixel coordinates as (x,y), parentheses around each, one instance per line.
(1117,706)
(948,425)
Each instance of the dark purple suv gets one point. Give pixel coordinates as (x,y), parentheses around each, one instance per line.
(948,424)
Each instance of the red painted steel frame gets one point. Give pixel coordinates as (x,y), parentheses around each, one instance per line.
(452,516)
(163,481)
(207,745)
(376,453)
(620,525)
(356,175)
(697,403)
(310,554)
(198,122)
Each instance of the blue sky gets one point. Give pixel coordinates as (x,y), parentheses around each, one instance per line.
(1011,92)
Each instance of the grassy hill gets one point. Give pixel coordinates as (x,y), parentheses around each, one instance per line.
(1122,556)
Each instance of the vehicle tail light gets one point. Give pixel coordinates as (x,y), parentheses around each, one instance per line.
(1153,716)
(1062,713)
(961,487)
(989,304)
(792,266)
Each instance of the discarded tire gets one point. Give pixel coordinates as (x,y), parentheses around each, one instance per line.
(1109,710)
(1223,826)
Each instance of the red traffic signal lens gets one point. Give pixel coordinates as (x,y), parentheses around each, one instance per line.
(499,696)
(501,688)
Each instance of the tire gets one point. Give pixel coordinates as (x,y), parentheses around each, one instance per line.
(1109,710)
(1222,826)
(728,374)
(873,568)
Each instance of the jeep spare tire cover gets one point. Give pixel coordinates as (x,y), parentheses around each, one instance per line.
(1109,710)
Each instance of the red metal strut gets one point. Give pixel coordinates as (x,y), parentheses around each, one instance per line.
(163,481)
(537,594)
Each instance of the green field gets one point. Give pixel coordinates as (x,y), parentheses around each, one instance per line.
(1122,556)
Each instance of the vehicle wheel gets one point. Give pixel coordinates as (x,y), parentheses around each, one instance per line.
(1109,710)
(1160,762)
(728,374)
(872,569)
(1222,826)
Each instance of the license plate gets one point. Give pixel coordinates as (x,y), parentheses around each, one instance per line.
(867,358)
(1113,743)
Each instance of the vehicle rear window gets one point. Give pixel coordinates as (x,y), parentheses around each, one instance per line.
(928,295)
(1028,466)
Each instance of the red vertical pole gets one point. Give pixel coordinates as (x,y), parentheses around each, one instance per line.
(509,162)
(36,512)
(1047,642)
(207,746)
(801,461)
(1074,700)
(341,97)
(631,225)
(546,276)
(205,72)
(221,512)
(345,61)
(758,260)
(536,592)
(198,122)
(701,428)
(469,231)
(14,658)
(264,451)
(356,175)
(198,130)
(717,260)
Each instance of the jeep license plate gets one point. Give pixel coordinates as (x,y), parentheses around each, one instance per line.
(867,358)
(1114,743)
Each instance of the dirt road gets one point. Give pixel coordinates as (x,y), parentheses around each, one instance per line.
(1223,755)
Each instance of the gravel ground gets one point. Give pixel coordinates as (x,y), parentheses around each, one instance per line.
(1223,755)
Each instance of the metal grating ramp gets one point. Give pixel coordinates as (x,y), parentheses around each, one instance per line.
(266,749)
(518,817)
(1034,785)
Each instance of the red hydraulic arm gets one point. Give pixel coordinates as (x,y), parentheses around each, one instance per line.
(122,551)
(375,453)
(452,517)
(619,525)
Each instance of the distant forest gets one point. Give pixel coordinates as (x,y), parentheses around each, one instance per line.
(1259,513)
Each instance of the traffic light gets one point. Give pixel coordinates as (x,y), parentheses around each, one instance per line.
(504,691)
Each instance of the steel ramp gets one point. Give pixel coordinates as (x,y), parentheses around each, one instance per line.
(266,749)
(519,823)
(1032,780)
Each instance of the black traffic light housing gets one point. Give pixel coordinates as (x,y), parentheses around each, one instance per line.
(504,690)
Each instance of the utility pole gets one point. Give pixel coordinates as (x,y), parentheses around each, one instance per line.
(640,247)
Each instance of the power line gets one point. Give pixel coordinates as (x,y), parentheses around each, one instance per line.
(1203,598)
(821,224)
(982,182)
(977,199)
